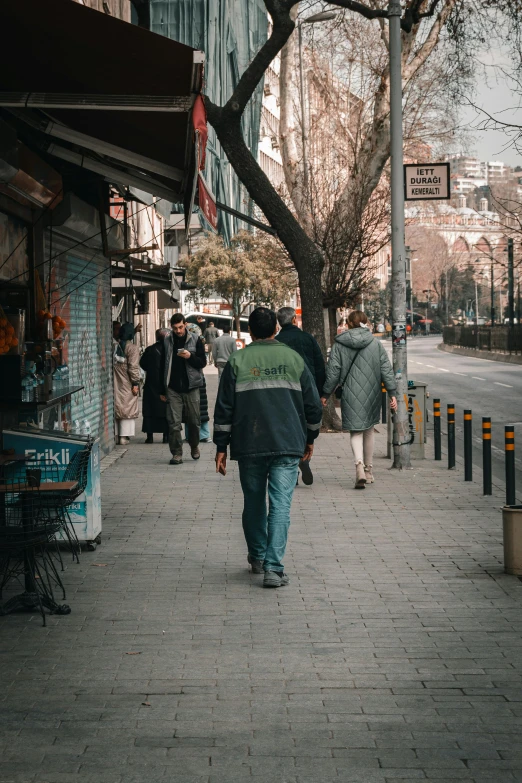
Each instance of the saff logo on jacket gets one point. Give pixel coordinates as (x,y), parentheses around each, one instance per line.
(264,372)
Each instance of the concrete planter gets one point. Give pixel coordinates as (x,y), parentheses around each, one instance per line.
(512,526)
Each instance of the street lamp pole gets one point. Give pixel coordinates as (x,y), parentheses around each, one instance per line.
(519,313)
(401,431)
(492,294)
(511,283)
(427,291)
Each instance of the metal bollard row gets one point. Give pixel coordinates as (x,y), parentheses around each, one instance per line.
(487,480)
(451,436)
(437,429)
(509,432)
(468,446)
(486,456)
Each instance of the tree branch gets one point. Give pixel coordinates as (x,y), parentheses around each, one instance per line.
(413,14)
(362,9)
(283,27)
(431,41)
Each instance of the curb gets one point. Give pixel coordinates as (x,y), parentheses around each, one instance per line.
(111,458)
(507,358)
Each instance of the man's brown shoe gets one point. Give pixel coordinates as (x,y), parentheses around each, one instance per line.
(195,453)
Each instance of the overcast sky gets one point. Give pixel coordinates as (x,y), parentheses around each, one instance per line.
(494,95)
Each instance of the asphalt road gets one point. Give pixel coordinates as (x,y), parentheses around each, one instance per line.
(487,388)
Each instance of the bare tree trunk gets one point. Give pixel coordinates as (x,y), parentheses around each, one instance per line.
(332,321)
(305,256)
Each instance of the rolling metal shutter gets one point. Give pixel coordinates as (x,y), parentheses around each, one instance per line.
(81,294)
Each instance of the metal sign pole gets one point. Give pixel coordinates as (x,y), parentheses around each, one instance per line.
(511,284)
(401,439)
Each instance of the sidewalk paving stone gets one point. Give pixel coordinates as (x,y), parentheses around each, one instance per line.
(393,655)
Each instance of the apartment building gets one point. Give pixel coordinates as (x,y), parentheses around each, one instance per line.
(269,153)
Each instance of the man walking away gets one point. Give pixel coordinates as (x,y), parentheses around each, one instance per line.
(306,346)
(181,377)
(269,411)
(223,348)
(210,336)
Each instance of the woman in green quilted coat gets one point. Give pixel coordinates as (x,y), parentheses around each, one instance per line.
(359,363)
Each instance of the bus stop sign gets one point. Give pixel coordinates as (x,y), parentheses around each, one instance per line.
(426,181)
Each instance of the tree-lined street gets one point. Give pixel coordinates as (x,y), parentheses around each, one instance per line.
(207,575)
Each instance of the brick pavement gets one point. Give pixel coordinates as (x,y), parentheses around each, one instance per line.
(394,655)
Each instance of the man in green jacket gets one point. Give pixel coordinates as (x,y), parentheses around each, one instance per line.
(269,412)
(306,346)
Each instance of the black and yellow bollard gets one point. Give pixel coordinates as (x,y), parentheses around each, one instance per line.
(486,455)
(384,403)
(451,436)
(510,465)
(437,429)
(468,446)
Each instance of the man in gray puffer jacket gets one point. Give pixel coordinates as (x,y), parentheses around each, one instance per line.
(359,363)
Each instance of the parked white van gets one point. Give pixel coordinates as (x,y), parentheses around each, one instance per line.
(220,321)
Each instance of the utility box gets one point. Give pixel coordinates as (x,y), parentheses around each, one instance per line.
(416,406)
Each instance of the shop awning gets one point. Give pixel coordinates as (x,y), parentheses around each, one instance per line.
(134,273)
(104,94)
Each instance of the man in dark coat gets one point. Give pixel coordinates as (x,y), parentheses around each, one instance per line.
(268,412)
(154,410)
(210,335)
(308,348)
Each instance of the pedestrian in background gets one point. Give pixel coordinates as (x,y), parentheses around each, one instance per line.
(126,370)
(154,410)
(116,326)
(181,377)
(210,335)
(223,348)
(359,364)
(269,412)
(308,348)
(204,429)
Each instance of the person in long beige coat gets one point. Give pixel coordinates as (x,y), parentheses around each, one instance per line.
(126,383)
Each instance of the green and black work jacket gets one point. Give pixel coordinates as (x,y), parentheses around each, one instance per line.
(267,404)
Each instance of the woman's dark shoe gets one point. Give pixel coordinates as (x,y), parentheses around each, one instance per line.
(149,439)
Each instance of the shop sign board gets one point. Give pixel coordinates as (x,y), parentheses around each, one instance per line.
(207,203)
(426,181)
(58,450)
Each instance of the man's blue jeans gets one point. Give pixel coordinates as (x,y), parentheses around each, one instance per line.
(266,534)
